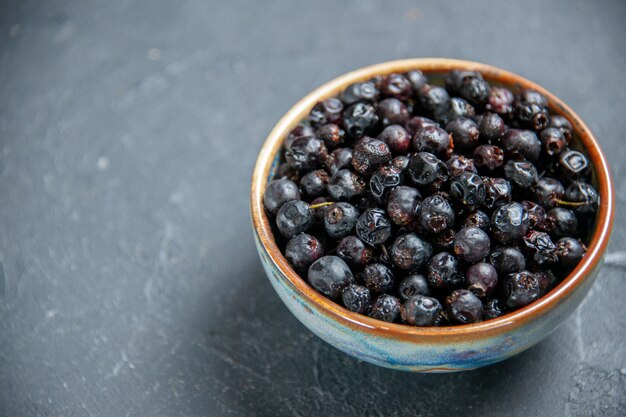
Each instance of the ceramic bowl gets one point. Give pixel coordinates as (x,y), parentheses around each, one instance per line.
(429,349)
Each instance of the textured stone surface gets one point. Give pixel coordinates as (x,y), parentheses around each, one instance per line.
(129,282)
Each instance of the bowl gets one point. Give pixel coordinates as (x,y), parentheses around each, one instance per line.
(429,349)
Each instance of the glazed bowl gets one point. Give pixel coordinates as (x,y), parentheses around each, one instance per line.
(429,349)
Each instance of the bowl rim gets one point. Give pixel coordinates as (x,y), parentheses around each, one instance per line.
(355,321)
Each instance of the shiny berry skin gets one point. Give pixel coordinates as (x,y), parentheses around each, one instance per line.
(397,138)
(356,298)
(402,205)
(435,214)
(498,192)
(426,170)
(478,219)
(540,248)
(581,192)
(339,220)
(432,139)
(368,154)
(493,309)
(359,120)
(522,174)
(507,260)
(521,144)
(278,192)
(548,192)
(500,101)
(329,275)
(417,79)
(482,279)
(302,250)
(455,79)
(386,178)
(386,308)
(421,310)
(471,245)
(520,289)
(475,91)
(392,111)
(294,217)
(397,86)
(378,278)
(553,140)
(492,127)
(373,227)
(413,285)
(444,271)
(573,164)
(431,97)
(417,122)
(464,307)
(532,115)
(562,124)
(345,185)
(354,252)
(488,157)
(509,223)
(561,222)
(401,162)
(300,131)
(536,214)
(410,252)
(531,96)
(453,109)
(332,135)
(360,92)
(464,132)
(457,164)
(569,251)
(327,111)
(338,159)
(314,183)
(306,153)
(468,190)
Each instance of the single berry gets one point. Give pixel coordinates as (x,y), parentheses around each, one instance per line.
(522,174)
(444,271)
(432,139)
(402,205)
(354,252)
(455,79)
(435,214)
(338,159)
(397,138)
(431,97)
(294,217)
(457,164)
(532,115)
(478,219)
(498,192)
(482,279)
(359,120)
(330,275)
(563,124)
(386,308)
(417,79)
(426,170)
(453,109)
(561,222)
(468,190)
(531,96)
(378,278)
(521,144)
(420,310)
(368,154)
(302,250)
(410,252)
(413,285)
(548,192)
(327,111)
(585,197)
(500,101)
(373,227)
(360,92)
(356,298)
(306,153)
(536,214)
(570,251)
(464,307)
(345,185)
(573,164)
(314,183)
(509,223)
(520,289)
(386,178)
(507,260)
(464,132)
(417,122)
(392,111)
(475,91)
(492,127)
(488,157)
(540,248)
(553,140)
(397,86)
(278,192)
(339,220)
(332,135)
(471,244)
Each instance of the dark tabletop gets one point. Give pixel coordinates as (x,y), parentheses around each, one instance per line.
(129,281)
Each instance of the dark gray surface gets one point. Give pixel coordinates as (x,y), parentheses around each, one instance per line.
(128,131)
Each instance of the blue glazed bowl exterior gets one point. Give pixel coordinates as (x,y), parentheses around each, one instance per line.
(441,349)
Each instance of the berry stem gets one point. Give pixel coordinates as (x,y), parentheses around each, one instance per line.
(319,205)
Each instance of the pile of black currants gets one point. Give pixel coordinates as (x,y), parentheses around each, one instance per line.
(429,205)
